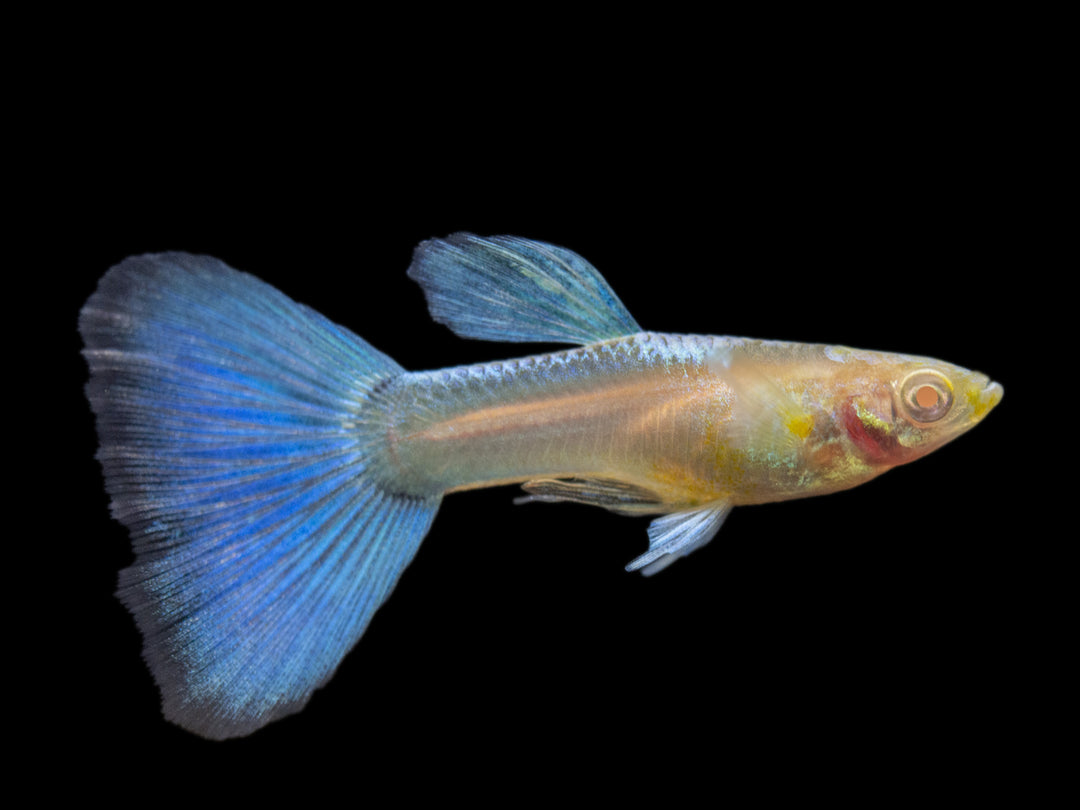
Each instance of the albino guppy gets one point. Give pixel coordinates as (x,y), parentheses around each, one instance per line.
(277,473)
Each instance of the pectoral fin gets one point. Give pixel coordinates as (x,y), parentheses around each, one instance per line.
(676,535)
(516,290)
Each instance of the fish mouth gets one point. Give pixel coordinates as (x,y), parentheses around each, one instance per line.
(990,395)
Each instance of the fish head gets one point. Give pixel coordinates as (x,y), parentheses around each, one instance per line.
(904,407)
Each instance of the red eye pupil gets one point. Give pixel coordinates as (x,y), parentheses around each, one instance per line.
(926,397)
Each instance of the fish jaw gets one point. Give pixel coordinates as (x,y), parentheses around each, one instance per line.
(983,399)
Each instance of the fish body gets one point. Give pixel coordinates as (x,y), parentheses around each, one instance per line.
(678,420)
(277,473)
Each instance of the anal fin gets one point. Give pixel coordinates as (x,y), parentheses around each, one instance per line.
(616,496)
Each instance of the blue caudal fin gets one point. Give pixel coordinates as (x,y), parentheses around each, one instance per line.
(236,428)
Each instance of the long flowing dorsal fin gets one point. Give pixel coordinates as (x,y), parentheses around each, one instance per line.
(510,289)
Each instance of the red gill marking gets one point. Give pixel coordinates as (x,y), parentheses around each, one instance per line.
(874,445)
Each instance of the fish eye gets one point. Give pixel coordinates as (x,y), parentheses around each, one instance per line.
(926,394)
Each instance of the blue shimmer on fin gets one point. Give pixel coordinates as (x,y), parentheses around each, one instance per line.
(677,534)
(516,290)
(236,427)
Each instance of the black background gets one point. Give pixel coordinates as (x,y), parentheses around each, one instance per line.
(875,630)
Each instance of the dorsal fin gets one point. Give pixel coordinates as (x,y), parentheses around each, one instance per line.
(516,290)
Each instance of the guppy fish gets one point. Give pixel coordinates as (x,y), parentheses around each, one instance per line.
(277,473)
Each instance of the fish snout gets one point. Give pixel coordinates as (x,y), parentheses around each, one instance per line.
(984,396)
